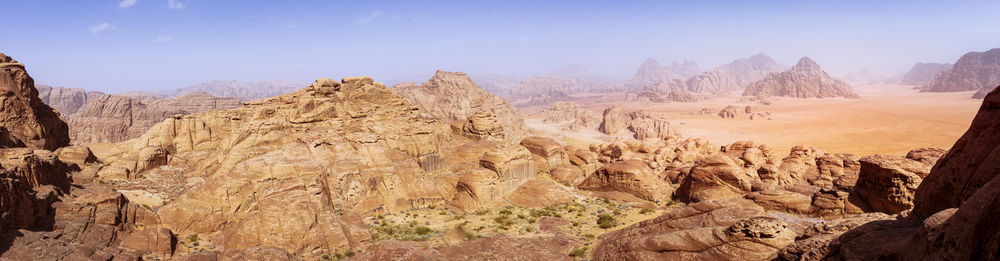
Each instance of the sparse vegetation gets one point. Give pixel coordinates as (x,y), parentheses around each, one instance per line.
(606,221)
(578,253)
(645,211)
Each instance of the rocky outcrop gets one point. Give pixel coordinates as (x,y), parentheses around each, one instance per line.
(732,229)
(577,117)
(453,96)
(641,124)
(924,73)
(114,118)
(887,183)
(745,112)
(25,121)
(615,121)
(480,125)
(629,176)
(246,91)
(973,71)
(805,80)
(651,72)
(954,208)
(66,100)
(30,181)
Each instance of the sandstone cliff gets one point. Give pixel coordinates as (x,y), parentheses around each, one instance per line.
(973,71)
(66,100)
(24,120)
(805,80)
(114,118)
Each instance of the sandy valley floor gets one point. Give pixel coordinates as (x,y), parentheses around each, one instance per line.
(888,119)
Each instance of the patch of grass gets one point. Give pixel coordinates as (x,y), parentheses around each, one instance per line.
(606,221)
(578,253)
(482,212)
(645,211)
(423,231)
(505,212)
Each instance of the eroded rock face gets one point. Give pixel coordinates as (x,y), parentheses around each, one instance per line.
(578,117)
(732,229)
(115,118)
(629,176)
(615,121)
(66,100)
(924,73)
(453,96)
(25,120)
(973,71)
(805,80)
(303,168)
(30,181)
(887,183)
(716,177)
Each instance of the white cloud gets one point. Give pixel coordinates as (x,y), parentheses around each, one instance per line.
(370,17)
(98,28)
(174,4)
(127,3)
(163,39)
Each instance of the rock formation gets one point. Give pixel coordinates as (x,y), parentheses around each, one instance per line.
(744,71)
(25,121)
(651,72)
(247,91)
(714,81)
(640,123)
(924,73)
(66,100)
(805,80)
(114,118)
(746,112)
(731,229)
(954,209)
(453,96)
(972,72)
(578,117)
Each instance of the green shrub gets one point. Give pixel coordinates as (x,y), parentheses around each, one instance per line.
(605,221)
(645,211)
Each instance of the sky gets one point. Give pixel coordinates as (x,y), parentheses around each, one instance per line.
(156,45)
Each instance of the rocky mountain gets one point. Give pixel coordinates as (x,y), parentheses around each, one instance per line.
(25,120)
(974,71)
(924,73)
(453,96)
(805,80)
(115,118)
(66,100)
(247,91)
(651,72)
(578,118)
(734,76)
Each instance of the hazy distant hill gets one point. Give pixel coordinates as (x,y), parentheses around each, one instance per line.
(245,90)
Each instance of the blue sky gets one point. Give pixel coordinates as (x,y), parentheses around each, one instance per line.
(154,45)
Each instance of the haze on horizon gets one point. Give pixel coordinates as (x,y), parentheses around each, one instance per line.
(157,45)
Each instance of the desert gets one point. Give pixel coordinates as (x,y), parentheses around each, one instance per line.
(242,133)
